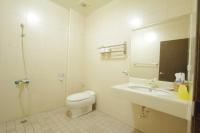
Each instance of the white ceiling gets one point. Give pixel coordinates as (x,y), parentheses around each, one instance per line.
(91,5)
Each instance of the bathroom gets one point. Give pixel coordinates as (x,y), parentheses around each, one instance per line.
(52,50)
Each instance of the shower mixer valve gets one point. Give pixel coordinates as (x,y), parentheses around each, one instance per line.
(22,83)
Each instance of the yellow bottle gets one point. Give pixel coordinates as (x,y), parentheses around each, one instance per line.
(183,92)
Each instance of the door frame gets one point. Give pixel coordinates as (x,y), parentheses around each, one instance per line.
(196,99)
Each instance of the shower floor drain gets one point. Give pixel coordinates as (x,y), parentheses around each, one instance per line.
(24,121)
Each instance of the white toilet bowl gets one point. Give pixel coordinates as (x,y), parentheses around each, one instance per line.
(80,103)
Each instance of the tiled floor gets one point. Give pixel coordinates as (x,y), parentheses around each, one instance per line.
(57,122)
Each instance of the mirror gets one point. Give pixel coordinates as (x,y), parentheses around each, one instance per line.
(161,50)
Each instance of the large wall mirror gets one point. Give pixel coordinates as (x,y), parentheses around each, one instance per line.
(161,50)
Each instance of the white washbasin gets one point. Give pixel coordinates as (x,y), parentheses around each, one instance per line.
(159,99)
(163,92)
(156,91)
(140,88)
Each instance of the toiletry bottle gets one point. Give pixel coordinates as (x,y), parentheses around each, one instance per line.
(183,92)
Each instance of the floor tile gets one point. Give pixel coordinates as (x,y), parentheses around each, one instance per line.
(56,121)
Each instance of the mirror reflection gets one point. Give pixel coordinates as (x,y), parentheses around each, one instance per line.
(161,50)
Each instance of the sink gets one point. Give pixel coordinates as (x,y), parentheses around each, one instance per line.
(160,99)
(140,88)
(156,91)
(164,92)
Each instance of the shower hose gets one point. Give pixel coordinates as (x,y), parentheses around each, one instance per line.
(23,86)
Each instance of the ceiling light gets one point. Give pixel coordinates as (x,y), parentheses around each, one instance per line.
(83,3)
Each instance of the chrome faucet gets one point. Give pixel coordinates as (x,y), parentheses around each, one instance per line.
(153,83)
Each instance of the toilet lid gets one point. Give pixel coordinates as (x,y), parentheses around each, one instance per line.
(78,97)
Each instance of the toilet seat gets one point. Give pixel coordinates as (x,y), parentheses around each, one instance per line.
(78,97)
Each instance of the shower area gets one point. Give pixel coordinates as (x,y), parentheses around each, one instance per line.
(34,57)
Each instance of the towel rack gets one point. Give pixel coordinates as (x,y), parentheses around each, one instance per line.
(117,51)
(114,45)
(146,64)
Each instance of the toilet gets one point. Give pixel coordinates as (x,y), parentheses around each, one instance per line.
(80,103)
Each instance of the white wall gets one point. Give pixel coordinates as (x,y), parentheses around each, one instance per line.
(75,60)
(45,51)
(110,25)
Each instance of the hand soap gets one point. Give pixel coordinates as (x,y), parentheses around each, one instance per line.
(183,92)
